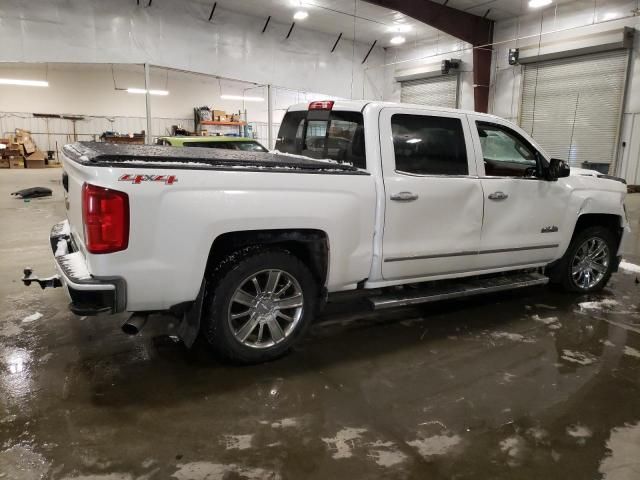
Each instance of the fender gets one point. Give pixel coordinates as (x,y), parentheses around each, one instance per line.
(585,201)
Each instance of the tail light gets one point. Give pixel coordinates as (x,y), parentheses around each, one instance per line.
(105,214)
(321,105)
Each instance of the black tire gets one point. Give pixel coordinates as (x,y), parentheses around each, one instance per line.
(231,274)
(561,274)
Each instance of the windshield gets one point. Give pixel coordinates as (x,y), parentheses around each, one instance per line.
(340,137)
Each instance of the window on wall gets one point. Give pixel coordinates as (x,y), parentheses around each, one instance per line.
(427,145)
(505,153)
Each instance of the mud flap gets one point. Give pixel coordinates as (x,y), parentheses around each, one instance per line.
(190,325)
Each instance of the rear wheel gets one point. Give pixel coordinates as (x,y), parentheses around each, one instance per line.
(588,263)
(261,305)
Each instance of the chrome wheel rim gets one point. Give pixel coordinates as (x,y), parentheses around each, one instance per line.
(265,308)
(590,263)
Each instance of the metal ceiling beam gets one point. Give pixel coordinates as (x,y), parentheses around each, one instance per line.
(473,29)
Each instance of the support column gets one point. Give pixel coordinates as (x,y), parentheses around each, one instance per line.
(147,97)
(270,118)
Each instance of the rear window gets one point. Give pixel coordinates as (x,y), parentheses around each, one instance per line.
(340,137)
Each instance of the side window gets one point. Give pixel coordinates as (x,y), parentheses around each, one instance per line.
(505,153)
(427,145)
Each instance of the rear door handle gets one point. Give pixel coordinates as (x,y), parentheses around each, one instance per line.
(498,196)
(404,197)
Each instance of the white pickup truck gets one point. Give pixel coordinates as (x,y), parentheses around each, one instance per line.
(244,247)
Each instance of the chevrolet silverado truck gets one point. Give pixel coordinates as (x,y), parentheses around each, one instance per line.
(412,204)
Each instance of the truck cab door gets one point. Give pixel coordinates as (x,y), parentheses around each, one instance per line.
(524,213)
(433,198)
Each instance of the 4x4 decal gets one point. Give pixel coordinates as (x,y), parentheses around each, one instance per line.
(166,179)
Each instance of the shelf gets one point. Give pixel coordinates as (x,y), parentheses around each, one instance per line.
(210,122)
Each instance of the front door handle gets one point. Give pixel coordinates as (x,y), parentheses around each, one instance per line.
(498,196)
(404,197)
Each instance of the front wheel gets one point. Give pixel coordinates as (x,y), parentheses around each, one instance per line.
(262,303)
(589,261)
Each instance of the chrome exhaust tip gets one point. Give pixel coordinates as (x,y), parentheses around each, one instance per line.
(135,324)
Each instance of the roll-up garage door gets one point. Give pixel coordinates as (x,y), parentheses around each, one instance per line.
(441,91)
(572,106)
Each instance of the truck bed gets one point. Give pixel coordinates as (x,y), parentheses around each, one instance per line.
(151,156)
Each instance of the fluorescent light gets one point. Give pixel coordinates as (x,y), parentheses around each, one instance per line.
(539,3)
(24,83)
(610,16)
(397,40)
(414,140)
(151,92)
(241,97)
(300,15)
(400,28)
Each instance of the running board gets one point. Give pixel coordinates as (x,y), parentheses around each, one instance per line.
(461,288)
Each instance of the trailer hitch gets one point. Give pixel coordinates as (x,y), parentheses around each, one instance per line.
(48,282)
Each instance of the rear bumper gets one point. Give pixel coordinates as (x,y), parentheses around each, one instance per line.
(89,295)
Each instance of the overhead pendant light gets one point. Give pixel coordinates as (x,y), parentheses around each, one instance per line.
(300,15)
(399,40)
(24,83)
(539,3)
(151,92)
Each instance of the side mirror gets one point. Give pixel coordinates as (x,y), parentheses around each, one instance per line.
(557,169)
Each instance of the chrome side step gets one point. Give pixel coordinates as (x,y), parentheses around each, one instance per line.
(461,288)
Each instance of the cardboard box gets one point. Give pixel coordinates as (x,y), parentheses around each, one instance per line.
(218,113)
(29,147)
(34,163)
(4,163)
(16,162)
(37,155)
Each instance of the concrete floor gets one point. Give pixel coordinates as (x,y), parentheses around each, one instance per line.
(524,385)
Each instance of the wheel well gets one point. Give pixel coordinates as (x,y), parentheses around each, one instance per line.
(609,221)
(310,246)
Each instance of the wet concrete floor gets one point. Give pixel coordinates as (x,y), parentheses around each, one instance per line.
(523,385)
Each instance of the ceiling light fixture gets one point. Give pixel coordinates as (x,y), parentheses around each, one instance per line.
(610,16)
(401,28)
(399,40)
(151,92)
(539,3)
(300,15)
(240,97)
(24,83)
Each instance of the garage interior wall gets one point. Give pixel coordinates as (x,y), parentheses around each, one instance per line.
(97,94)
(418,54)
(575,23)
(231,45)
(68,43)
(578,20)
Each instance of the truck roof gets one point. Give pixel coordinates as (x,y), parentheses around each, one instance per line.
(99,154)
(358,106)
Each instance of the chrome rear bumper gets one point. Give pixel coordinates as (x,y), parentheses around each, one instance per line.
(89,295)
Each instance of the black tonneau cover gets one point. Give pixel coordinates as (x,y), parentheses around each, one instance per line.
(152,156)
